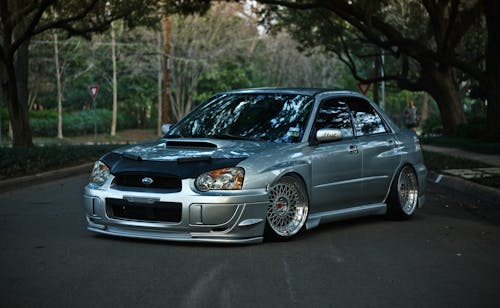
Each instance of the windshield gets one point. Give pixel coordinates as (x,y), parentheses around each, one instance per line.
(271,117)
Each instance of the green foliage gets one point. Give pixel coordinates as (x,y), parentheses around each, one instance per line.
(43,114)
(214,52)
(475,126)
(222,77)
(432,125)
(22,161)
(44,124)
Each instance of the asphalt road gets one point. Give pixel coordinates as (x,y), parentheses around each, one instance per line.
(448,255)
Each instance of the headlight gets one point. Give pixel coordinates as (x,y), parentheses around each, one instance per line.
(221,179)
(100,173)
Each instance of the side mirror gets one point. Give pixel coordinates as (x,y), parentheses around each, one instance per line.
(165,128)
(328,135)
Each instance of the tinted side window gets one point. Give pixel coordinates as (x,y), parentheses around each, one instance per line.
(335,114)
(366,119)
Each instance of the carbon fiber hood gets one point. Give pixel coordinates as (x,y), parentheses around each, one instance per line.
(185,158)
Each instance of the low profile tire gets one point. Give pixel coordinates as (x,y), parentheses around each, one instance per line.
(403,198)
(288,208)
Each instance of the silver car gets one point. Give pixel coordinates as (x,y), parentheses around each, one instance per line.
(257,163)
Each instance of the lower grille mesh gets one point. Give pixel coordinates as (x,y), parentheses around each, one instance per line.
(158,211)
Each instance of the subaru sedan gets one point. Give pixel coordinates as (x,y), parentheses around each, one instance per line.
(259,163)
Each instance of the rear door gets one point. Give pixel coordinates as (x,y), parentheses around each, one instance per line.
(378,148)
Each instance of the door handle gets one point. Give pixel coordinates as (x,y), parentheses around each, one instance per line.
(353,149)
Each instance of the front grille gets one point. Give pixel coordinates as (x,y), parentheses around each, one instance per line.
(171,182)
(157,211)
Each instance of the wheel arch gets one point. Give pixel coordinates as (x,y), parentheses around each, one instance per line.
(296,175)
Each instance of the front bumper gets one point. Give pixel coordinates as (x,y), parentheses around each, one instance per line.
(216,216)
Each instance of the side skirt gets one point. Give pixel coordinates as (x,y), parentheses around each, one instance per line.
(316,219)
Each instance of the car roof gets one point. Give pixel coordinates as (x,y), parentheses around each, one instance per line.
(299,91)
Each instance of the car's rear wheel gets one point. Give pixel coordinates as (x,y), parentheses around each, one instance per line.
(403,198)
(288,208)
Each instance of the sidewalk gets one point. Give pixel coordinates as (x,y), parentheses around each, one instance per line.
(460,179)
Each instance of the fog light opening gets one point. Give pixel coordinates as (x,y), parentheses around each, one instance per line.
(93,206)
(219,229)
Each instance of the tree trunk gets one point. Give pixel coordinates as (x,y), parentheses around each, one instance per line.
(15,88)
(376,74)
(166,43)
(59,89)
(492,87)
(160,72)
(443,88)
(425,107)
(493,112)
(115,85)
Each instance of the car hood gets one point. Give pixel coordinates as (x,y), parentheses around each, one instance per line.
(192,149)
(185,158)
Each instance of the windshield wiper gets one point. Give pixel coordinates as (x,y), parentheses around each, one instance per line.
(173,136)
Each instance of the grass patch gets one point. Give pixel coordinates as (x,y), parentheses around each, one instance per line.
(437,162)
(24,161)
(467,144)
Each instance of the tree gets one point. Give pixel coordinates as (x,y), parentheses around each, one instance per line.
(59,87)
(197,44)
(114,82)
(21,20)
(223,49)
(431,35)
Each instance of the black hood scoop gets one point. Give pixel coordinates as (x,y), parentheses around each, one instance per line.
(190,144)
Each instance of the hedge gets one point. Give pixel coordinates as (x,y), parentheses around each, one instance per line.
(21,161)
(44,123)
(74,124)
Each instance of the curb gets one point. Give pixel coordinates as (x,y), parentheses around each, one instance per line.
(458,184)
(19,182)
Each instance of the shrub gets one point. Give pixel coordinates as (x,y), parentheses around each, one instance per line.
(74,124)
(44,122)
(432,125)
(43,114)
(20,161)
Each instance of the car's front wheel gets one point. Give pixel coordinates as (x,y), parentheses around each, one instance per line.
(288,208)
(403,198)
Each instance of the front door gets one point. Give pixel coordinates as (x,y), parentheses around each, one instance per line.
(336,165)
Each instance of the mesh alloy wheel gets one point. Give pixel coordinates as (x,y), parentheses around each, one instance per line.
(288,208)
(403,199)
(407,190)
